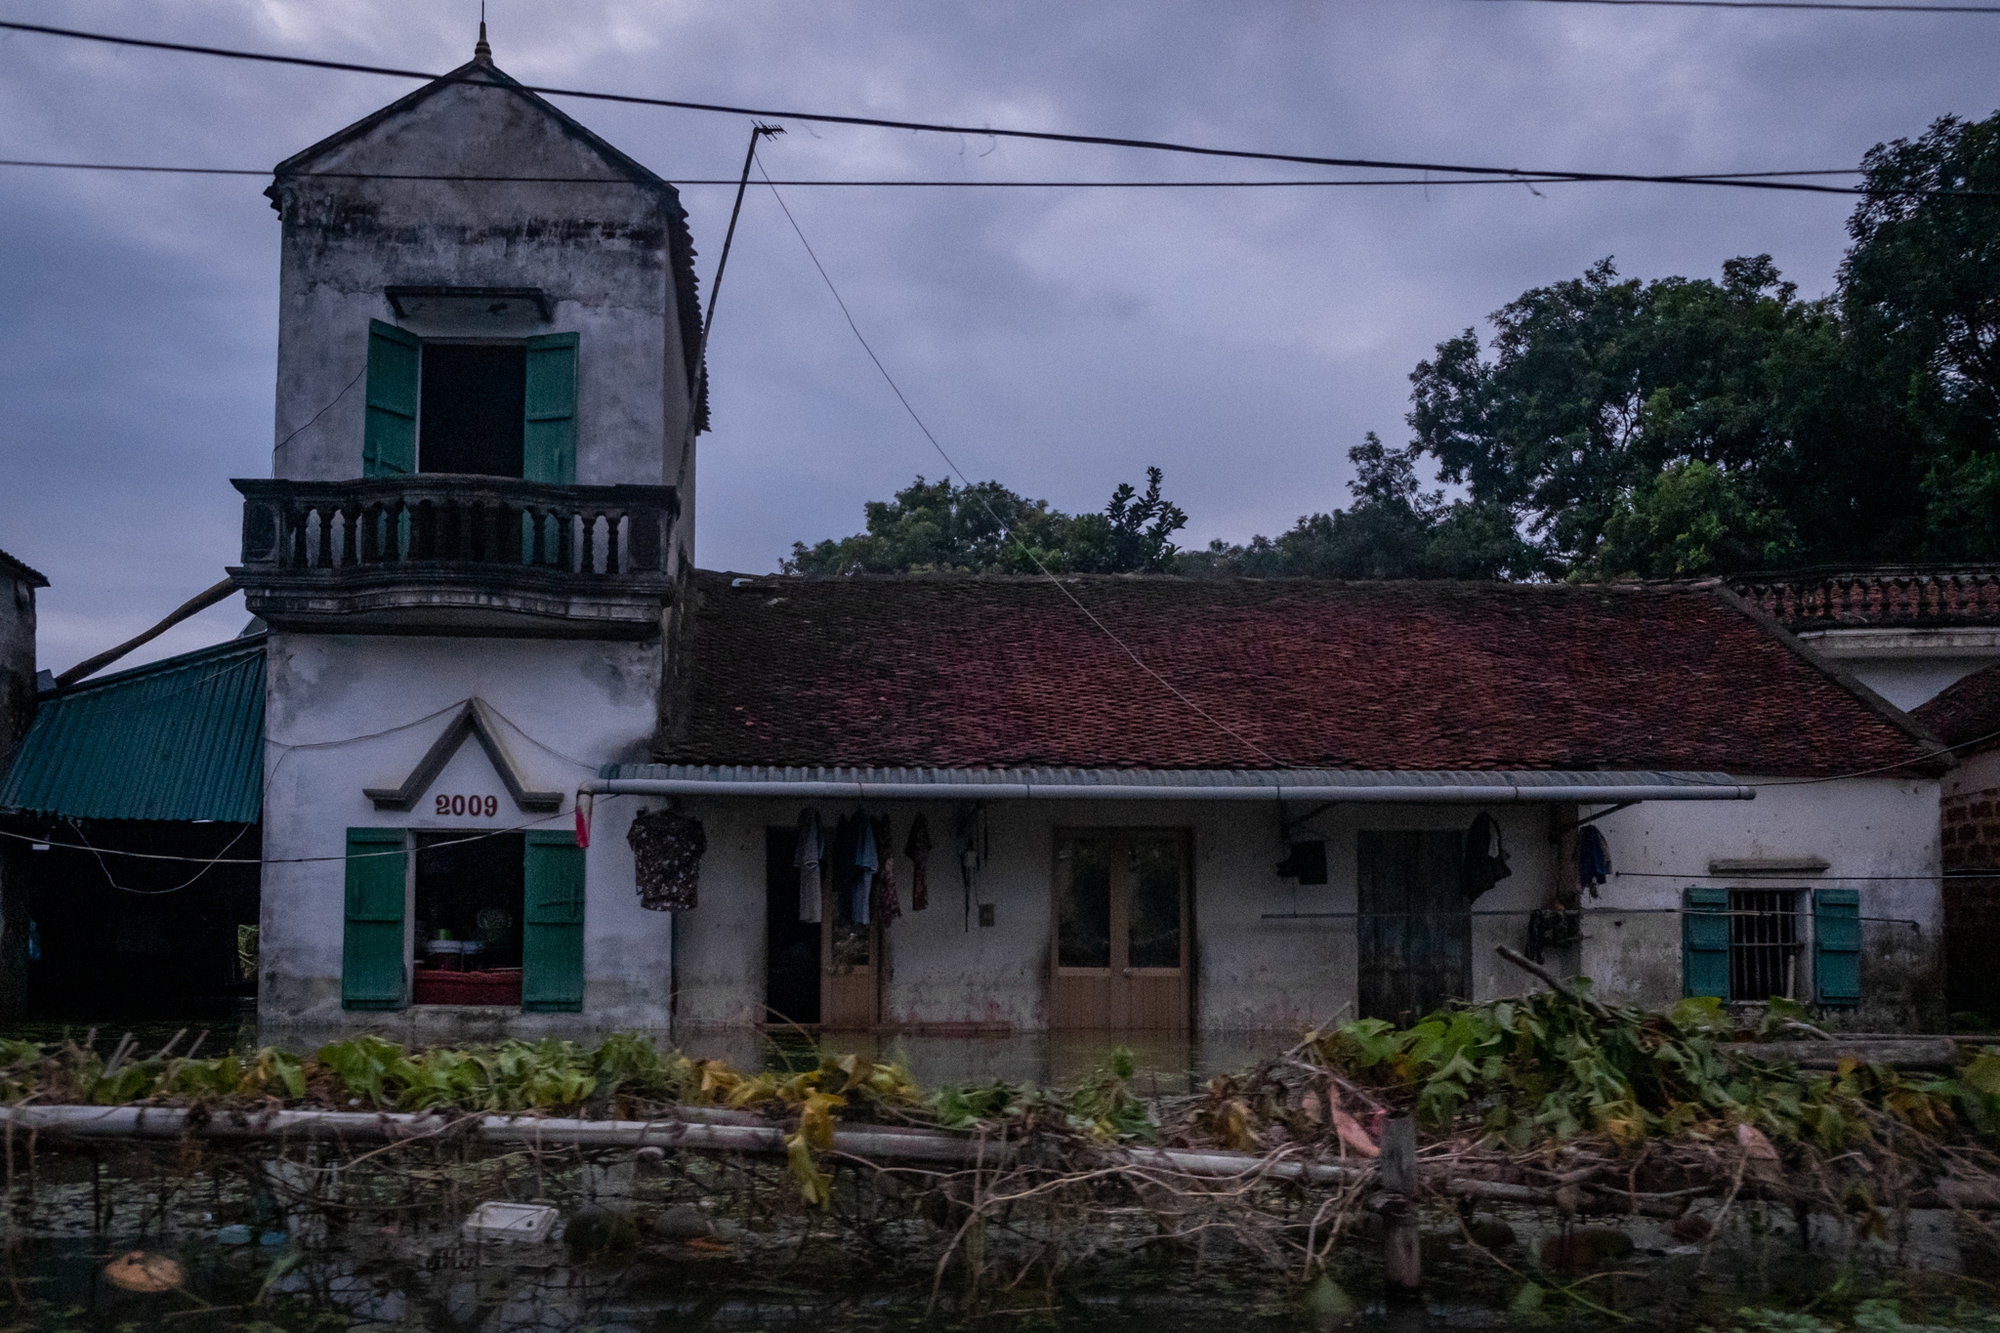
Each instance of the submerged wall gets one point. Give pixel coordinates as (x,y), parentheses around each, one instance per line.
(1256,970)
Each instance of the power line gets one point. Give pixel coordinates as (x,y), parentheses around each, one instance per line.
(1773,4)
(870,183)
(998,522)
(932,127)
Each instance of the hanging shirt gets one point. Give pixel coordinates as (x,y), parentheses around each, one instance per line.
(1593,859)
(918,848)
(886,905)
(1485,856)
(811,851)
(667,847)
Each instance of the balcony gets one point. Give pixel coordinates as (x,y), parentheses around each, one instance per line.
(1881,598)
(446,554)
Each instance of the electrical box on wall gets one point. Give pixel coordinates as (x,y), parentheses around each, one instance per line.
(1305,862)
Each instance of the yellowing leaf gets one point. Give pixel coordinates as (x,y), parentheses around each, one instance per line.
(1353,1137)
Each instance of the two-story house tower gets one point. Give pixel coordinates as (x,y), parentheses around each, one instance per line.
(489,386)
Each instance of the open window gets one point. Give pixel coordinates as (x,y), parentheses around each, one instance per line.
(467,941)
(1753,944)
(481,407)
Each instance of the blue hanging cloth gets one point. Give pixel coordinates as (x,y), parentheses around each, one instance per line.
(1593,859)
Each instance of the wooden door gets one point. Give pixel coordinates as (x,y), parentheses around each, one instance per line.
(1415,923)
(850,964)
(1122,939)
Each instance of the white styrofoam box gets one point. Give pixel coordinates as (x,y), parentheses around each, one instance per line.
(525,1223)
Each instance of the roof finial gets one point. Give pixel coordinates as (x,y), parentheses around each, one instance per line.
(481,52)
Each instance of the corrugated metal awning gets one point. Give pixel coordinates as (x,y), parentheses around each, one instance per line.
(180,739)
(1458,787)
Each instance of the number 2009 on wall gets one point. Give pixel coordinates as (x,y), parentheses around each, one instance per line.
(475,806)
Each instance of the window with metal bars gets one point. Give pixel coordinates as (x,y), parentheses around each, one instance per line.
(1763,943)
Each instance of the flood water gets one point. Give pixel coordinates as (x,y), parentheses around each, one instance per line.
(271,1237)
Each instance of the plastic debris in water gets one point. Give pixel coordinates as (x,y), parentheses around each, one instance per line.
(140,1271)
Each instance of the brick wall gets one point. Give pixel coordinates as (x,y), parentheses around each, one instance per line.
(1970,829)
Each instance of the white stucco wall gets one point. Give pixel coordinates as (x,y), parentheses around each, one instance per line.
(343,714)
(1259,974)
(1250,973)
(1909,666)
(1877,835)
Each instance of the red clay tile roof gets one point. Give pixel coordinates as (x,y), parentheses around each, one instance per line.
(1967,714)
(1000,672)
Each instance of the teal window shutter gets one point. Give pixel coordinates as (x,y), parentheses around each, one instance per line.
(1705,942)
(372,953)
(548,441)
(1837,946)
(552,924)
(389,441)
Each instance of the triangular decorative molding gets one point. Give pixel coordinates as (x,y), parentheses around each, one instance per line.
(474,719)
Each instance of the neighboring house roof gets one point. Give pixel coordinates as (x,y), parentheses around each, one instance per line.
(15,569)
(1967,715)
(680,242)
(1002,672)
(181,738)
(1876,597)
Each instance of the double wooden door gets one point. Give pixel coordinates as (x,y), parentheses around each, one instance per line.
(1123,944)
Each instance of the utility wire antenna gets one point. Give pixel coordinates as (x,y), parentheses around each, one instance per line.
(986,504)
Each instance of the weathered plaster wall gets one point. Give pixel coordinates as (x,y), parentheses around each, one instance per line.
(348,712)
(1909,666)
(600,252)
(1259,974)
(17,663)
(1862,827)
(1251,974)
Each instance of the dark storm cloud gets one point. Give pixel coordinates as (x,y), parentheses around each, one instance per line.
(1059,341)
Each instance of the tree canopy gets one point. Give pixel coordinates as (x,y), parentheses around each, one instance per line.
(983,527)
(1613,427)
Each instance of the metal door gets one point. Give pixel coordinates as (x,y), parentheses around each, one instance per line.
(1415,923)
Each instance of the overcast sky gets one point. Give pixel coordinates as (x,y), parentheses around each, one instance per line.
(1058,340)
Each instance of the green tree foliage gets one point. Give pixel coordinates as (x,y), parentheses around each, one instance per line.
(1920,291)
(1685,426)
(985,528)
(1395,529)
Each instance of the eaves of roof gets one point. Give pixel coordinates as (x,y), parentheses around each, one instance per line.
(178,739)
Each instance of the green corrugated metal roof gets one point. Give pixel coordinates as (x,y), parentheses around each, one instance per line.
(182,738)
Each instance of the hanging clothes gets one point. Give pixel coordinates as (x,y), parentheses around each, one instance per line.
(1485,856)
(886,905)
(667,847)
(918,848)
(865,863)
(965,839)
(811,851)
(1593,859)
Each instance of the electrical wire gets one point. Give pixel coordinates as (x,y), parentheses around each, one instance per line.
(871,183)
(919,126)
(1774,4)
(282,860)
(112,880)
(966,481)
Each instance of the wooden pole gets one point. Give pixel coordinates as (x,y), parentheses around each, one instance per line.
(1402,1257)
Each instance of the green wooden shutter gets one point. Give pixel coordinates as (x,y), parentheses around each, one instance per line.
(389,442)
(548,441)
(552,925)
(1837,946)
(371,955)
(1705,942)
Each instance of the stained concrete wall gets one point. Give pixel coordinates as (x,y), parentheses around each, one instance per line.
(600,252)
(1877,835)
(1251,973)
(1257,973)
(17,662)
(348,712)
(1909,666)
